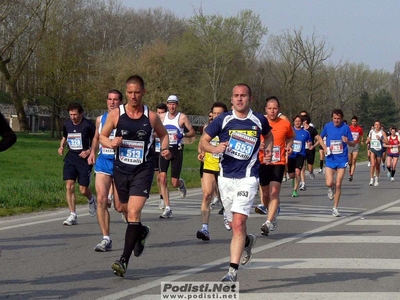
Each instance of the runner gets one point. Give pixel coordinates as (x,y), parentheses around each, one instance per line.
(133,166)
(297,158)
(271,174)
(209,176)
(78,133)
(392,152)
(104,174)
(338,137)
(376,139)
(239,131)
(358,137)
(175,122)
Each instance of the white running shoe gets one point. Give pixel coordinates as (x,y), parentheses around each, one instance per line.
(371,182)
(182,189)
(330,194)
(391,179)
(246,256)
(71,220)
(92,206)
(302,186)
(103,246)
(376,182)
(369,164)
(167,213)
(161,205)
(335,212)
(312,175)
(388,174)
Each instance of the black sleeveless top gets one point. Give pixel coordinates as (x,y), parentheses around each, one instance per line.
(137,138)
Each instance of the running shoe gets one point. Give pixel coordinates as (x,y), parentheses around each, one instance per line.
(167,213)
(124,218)
(335,212)
(265,228)
(231,276)
(110,200)
(103,246)
(330,193)
(351,178)
(92,206)
(391,179)
(119,267)
(182,189)
(368,164)
(383,167)
(139,246)
(371,182)
(246,256)
(320,171)
(302,186)
(226,223)
(215,201)
(274,224)
(389,174)
(294,194)
(284,179)
(203,234)
(71,220)
(161,205)
(260,209)
(312,175)
(376,181)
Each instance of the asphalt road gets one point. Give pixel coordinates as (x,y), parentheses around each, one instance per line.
(311,255)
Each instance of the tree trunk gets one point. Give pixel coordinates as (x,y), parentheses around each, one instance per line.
(19,107)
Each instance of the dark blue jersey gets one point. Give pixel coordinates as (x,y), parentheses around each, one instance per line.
(240,158)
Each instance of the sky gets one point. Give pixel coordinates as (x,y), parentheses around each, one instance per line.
(358,31)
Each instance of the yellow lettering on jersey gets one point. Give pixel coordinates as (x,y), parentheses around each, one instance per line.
(247,132)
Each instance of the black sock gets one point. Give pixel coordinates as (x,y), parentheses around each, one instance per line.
(393,172)
(247,241)
(235,266)
(133,233)
(161,197)
(321,164)
(389,169)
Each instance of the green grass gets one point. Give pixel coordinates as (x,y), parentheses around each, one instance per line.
(31,174)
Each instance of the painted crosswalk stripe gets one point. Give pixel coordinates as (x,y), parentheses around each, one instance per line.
(324,263)
(334,239)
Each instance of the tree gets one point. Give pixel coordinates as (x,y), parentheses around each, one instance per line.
(24,24)
(215,47)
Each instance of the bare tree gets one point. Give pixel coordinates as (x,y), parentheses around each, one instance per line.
(24,25)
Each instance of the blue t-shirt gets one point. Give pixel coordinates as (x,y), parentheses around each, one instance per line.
(333,136)
(299,143)
(240,158)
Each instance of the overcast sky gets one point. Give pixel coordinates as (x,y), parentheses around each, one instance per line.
(359,31)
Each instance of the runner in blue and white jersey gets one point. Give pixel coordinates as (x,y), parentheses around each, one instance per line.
(104,174)
(239,132)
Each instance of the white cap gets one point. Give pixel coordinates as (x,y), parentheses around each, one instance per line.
(173,98)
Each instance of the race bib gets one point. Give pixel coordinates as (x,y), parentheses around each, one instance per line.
(241,146)
(376,145)
(276,154)
(173,136)
(394,150)
(355,136)
(109,151)
(215,142)
(157,145)
(297,146)
(336,147)
(74,141)
(131,152)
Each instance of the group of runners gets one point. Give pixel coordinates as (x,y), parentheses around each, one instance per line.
(241,152)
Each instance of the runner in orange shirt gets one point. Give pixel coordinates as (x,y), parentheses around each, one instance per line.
(271,175)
